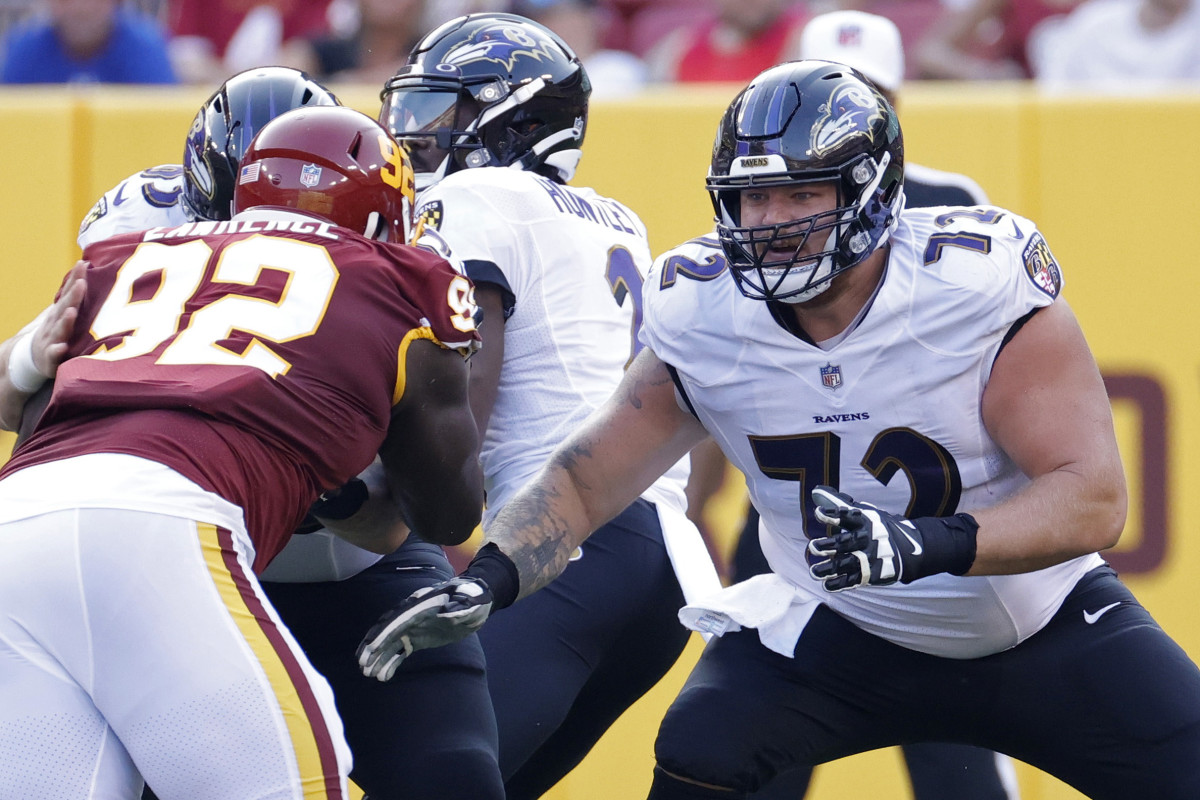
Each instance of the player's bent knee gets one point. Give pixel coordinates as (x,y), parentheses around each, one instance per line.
(668,786)
(468,773)
(725,760)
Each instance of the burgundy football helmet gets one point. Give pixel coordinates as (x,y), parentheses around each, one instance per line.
(334,162)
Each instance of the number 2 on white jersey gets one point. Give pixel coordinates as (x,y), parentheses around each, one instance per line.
(625,280)
(150,321)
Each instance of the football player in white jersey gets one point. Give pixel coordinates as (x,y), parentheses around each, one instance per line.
(872,44)
(927,437)
(327,590)
(493,109)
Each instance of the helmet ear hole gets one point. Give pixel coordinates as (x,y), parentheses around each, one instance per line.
(375,227)
(527,126)
(890,191)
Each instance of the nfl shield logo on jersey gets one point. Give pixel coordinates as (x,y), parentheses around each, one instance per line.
(831,376)
(310,175)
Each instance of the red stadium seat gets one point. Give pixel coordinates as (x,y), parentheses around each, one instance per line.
(656,20)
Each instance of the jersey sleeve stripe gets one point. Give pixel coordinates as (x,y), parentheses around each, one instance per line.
(402,355)
(486,272)
(316,756)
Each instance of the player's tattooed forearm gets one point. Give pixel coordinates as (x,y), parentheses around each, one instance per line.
(532,529)
(568,461)
(536,538)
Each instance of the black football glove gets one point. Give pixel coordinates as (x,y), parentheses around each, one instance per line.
(429,617)
(875,547)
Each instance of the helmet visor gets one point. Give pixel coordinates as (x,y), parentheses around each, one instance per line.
(423,120)
(419,110)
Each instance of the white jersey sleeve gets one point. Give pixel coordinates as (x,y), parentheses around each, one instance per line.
(148,199)
(889,414)
(572,263)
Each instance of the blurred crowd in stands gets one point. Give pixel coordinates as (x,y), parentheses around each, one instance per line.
(626,44)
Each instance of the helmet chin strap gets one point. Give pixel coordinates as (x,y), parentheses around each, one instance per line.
(479,157)
(424,180)
(482,157)
(521,95)
(565,162)
(824,265)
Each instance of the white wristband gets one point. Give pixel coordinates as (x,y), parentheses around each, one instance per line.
(23,374)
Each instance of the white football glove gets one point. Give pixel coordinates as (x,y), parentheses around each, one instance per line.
(430,617)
